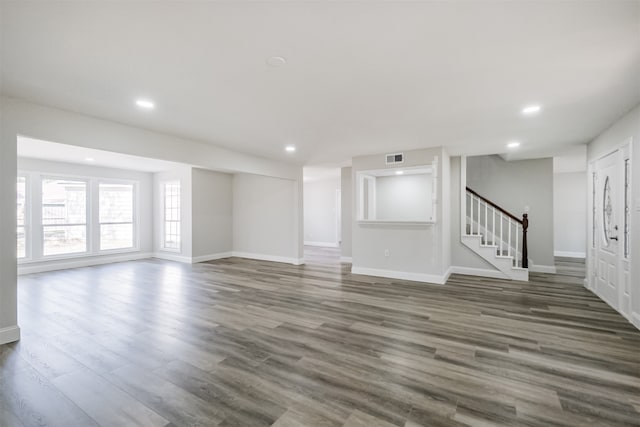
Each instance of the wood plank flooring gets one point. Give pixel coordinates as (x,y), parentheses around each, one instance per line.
(236,342)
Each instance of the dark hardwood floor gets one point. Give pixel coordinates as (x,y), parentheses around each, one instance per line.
(248,343)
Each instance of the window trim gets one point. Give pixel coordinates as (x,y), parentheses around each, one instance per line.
(163,220)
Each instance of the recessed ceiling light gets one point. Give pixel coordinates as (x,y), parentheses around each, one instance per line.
(276,61)
(513,144)
(290,148)
(531,109)
(145,103)
(89,159)
(399,172)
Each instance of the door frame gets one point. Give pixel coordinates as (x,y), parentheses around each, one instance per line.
(623,263)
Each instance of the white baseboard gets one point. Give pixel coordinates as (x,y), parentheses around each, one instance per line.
(211,257)
(570,254)
(403,275)
(172,257)
(534,268)
(346,259)
(65,264)
(10,334)
(265,257)
(322,244)
(481,272)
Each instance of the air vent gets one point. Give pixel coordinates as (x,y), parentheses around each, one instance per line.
(394,159)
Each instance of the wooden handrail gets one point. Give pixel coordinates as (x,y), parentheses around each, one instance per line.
(490,203)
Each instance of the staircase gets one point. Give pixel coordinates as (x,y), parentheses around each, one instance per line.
(497,236)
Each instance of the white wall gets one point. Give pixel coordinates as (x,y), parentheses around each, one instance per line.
(415,251)
(570,214)
(264,218)
(626,127)
(182,175)
(143,203)
(514,185)
(347,213)
(212,214)
(320,212)
(404,197)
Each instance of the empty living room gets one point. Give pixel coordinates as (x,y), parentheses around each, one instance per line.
(312,213)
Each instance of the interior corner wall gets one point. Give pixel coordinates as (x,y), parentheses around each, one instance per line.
(212,219)
(346,190)
(320,212)
(570,214)
(626,127)
(265,225)
(461,255)
(415,251)
(514,185)
(184,176)
(9,330)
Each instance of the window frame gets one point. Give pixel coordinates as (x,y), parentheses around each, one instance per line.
(163,201)
(134,218)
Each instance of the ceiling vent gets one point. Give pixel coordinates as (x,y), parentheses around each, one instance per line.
(394,159)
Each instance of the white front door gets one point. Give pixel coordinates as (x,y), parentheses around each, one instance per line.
(608,233)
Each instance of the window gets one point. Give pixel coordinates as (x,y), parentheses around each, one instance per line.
(64,216)
(116,216)
(22,216)
(171,212)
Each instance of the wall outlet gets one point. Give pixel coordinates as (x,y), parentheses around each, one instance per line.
(386,252)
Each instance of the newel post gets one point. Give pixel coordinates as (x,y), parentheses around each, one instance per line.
(525,254)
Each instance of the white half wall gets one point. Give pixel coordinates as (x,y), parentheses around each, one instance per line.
(320,212)
(570,214)
(402,250)
(212,222)
(265,218)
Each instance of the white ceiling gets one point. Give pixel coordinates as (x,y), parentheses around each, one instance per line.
(361,77)
(45,150)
